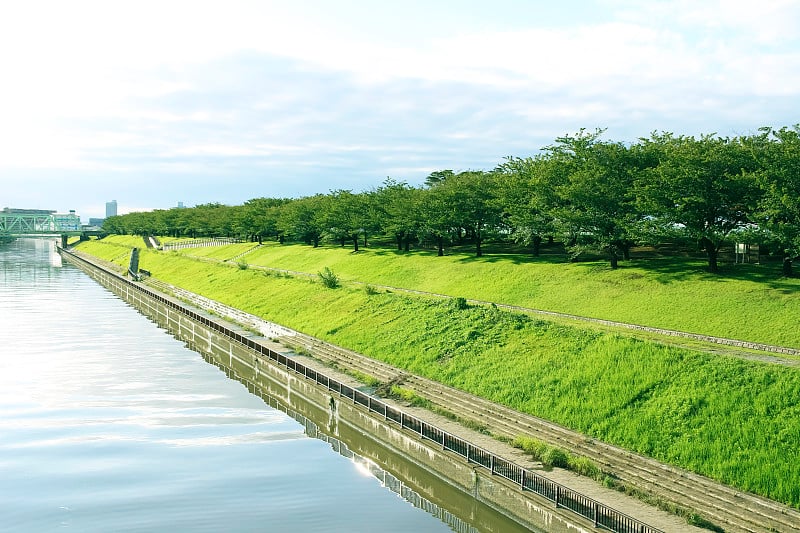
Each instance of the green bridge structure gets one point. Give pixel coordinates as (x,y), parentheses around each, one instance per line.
(43,223)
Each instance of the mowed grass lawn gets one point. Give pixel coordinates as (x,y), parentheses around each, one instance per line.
(734,420)
(745,302)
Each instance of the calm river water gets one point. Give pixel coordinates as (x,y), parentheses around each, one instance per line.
(107,423)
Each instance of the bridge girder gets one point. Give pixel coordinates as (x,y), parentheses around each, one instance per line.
(34,224)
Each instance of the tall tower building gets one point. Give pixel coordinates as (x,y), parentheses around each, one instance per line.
(111,208)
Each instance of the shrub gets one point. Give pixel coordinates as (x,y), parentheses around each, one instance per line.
(460,303)
(584,466)
(557,457)
(534,447)
(328,278)
(369,289)
(242,264)
(541,451)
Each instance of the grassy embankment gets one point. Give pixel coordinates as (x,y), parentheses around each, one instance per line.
(747,302)
(734,420)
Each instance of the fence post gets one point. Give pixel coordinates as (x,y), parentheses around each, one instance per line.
(522,482)
(595,514)
(558,493)
(491,463)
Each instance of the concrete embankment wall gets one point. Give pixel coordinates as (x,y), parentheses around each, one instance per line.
(277,375)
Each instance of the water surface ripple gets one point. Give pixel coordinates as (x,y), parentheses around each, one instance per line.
(107,423)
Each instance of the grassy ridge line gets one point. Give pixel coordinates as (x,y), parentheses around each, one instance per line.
(735,421)
(740,348)
(745,302)
(688,340)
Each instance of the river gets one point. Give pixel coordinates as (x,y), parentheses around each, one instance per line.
(108,423)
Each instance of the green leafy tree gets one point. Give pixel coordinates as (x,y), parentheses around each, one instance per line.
(115,225)
(595,203)
(398,206)
(437,217)
(258,218)
(470,202)
(778,154)
(349,216)
(526,194)
(304,218)
(706,187)
(438,176)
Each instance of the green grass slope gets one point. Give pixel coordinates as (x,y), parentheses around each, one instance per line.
(745,302)
(734,420)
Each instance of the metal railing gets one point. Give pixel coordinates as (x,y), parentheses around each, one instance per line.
(199,243)
(598,513)
(387,480)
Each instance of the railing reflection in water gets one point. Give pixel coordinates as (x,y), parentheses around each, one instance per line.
(364,464)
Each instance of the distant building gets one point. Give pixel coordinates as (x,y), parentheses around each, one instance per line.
(98,222)
(111,208)
(180,205)
(67,222)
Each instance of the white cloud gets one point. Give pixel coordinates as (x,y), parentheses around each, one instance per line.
(159,92)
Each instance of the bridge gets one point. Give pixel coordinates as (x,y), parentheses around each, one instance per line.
(42,222)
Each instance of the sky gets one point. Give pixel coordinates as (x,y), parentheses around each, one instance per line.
(152,103)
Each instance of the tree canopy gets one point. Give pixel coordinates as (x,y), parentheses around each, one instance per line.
(593,195)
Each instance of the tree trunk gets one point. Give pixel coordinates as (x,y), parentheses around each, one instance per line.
(787,266)
(478,250)
(399,238)
(537,245)
(614,257)
(440,243)
(711,251)
(315,241)
(626,251)
(260,241)
(355,242)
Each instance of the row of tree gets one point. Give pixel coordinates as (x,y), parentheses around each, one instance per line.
(592,194)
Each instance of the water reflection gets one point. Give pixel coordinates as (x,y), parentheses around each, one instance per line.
(108,424)
(459,511)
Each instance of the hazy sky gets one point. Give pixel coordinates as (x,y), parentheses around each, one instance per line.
(152,103)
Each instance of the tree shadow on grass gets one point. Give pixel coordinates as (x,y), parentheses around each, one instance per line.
(390,252)
(664,269)
(516,254)
(668,270)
